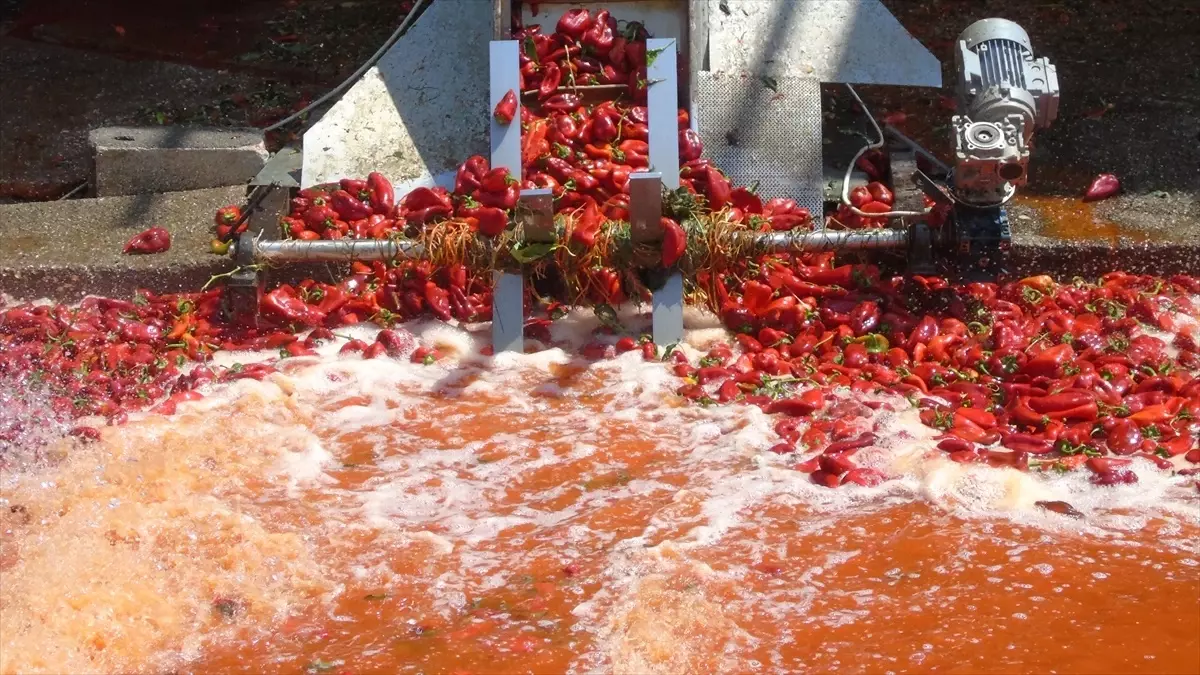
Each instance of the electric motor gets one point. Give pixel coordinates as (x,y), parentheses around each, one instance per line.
(1004,93)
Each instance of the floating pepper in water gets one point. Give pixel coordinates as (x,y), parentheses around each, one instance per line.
(153,240)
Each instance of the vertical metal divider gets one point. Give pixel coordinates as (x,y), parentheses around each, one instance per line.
(662,102)
(508,296)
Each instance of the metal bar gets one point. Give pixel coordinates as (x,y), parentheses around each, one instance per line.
(349,250)
(508,292)
(645,207)
(662,103)
(505,66)
(508,313)
(535,215)
(340,250)
(826,240)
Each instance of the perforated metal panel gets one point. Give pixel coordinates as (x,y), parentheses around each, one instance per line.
(766,131)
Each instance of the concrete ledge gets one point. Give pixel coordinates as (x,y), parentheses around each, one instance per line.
(66,250)
(141,160)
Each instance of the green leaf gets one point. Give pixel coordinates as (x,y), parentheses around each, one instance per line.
(377,596)
(608,317)
(531,49)
(527,253)
(770,83)
(652,54)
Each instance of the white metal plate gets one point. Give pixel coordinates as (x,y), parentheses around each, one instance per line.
(757,134)
(856,41)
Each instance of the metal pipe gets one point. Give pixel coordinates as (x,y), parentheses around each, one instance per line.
(827,240)
(340,250)
(348,250)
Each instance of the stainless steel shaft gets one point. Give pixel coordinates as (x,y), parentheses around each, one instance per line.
(341,250)
(827,240)
(348,250)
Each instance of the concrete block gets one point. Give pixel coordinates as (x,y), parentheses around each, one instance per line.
(416,115)
(140,160)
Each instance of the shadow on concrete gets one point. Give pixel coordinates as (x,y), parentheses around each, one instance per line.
(142,205)
(441,92)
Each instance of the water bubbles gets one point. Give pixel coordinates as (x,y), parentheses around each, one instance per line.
(1099,575)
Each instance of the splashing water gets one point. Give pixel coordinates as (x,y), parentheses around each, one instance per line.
(531,513)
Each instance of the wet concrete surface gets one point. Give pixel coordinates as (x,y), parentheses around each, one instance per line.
(70,248)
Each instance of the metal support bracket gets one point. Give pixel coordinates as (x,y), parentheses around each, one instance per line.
(508,293)
(662,103)
(244,288)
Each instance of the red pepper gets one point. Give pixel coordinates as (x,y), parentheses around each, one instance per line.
(604,128)
(757,296)
(599,38)
(745,200)
(690,146)
(506,109)
(551,78)
(348,207)
(153,240)
(674,242)
(427,215)
(574,23)
(356,187)
(562,102)
(469,174)
(438,299)
(228,215)
(1060,402)
(1102,187)
(284,303)
(719,190)
(587,226)
(380,194)
(491,220)
(1047,363)
(880,193)
(423,198)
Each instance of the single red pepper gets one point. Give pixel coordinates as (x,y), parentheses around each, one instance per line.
(599,38)
(719,190)
(587,225)
(423,198)
(438,300)
(674,242)
(1102,187)
(551,78)
(506,109)
(356,187)
(491,220)
(348,207)
(380,194)
(504,199)
(574,23)
(153,240)
(562,102)
(690,146)
(228,215)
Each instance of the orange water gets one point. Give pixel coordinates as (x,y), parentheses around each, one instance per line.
(554,518)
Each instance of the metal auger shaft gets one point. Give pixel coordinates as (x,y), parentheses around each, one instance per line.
(344,250)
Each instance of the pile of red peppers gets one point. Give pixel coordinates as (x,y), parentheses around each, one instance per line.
(1031,374)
